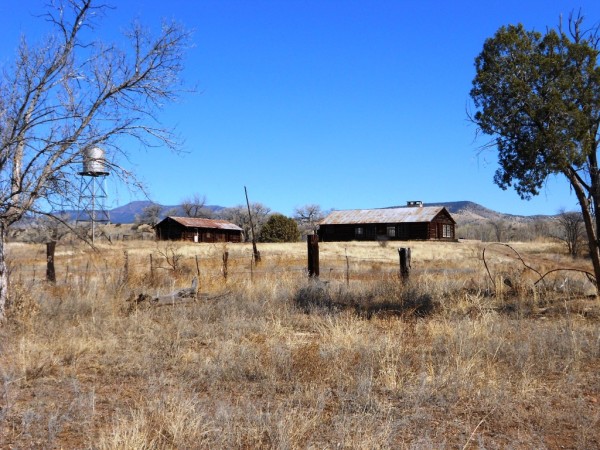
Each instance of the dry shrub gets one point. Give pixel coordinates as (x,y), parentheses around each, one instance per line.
(171,418)
(22,306)
(387,297)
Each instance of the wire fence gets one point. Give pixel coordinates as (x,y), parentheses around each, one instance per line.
(498,265)
(84,267)
(168,268)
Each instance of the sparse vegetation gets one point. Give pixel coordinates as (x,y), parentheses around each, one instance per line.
(270,359)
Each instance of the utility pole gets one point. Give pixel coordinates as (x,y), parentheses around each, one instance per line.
(254,249)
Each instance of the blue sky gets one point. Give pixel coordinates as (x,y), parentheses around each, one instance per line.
(347,104)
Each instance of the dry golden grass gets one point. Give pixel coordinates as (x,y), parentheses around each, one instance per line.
(272,360)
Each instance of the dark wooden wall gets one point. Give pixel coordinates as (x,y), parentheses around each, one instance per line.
(173,231)
(373,232)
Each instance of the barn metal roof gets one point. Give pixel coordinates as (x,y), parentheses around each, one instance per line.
(193,222)
(383,215)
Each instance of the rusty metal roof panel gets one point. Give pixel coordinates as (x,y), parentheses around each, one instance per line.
(193,222)
(383,215)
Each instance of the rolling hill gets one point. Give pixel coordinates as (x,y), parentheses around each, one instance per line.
(463,211)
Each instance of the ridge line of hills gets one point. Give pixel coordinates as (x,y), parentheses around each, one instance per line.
(463,211)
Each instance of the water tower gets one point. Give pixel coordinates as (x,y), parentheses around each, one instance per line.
(92,193)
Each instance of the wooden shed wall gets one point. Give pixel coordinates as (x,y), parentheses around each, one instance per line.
(174,231)
(401,231)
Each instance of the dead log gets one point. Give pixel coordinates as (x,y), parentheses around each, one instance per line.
(185,295)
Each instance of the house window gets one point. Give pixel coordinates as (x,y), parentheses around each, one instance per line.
(208,235)
(358,231)
(391,231)
(447,231)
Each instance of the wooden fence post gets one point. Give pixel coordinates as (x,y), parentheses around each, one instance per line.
(404,263)
(225,259)
(50,271)
(347,268)
(313,255)
(125,278)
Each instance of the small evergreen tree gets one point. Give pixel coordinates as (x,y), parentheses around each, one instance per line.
(538,96)
(280,228)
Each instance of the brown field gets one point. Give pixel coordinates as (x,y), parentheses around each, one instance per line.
(469,353)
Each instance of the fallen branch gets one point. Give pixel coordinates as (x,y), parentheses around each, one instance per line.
(178,297)
(518,256)
(589,275)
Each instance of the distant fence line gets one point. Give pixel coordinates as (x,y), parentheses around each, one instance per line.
(212,267)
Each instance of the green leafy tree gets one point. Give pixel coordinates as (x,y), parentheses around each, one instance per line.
(538,95)
(280,228)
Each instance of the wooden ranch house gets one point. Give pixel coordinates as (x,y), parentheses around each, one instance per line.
(197,230)
(412,222)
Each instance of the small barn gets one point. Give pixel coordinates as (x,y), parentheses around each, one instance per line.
(412,222)
(197,230)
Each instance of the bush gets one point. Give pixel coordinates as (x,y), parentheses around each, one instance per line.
(280,228)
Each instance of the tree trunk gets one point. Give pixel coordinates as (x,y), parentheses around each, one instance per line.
(590,229)
(3,274)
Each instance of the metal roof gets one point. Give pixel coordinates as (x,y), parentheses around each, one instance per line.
(383,215)
(193,222)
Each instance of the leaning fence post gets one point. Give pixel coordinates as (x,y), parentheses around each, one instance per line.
(404,254)
(313,255)
(50,271)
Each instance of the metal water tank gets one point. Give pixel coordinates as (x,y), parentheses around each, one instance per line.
(94,162)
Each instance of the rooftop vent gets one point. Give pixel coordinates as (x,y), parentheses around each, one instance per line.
(414,203)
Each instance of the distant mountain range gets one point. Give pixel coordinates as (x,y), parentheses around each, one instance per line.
(467,212)
(127,213)
(463,211)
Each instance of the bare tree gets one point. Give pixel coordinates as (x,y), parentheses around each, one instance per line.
(499,227)
(50,228)
(308,216)
(71,92)
(150,215)
(195,206)
(239,216)
(571,230)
